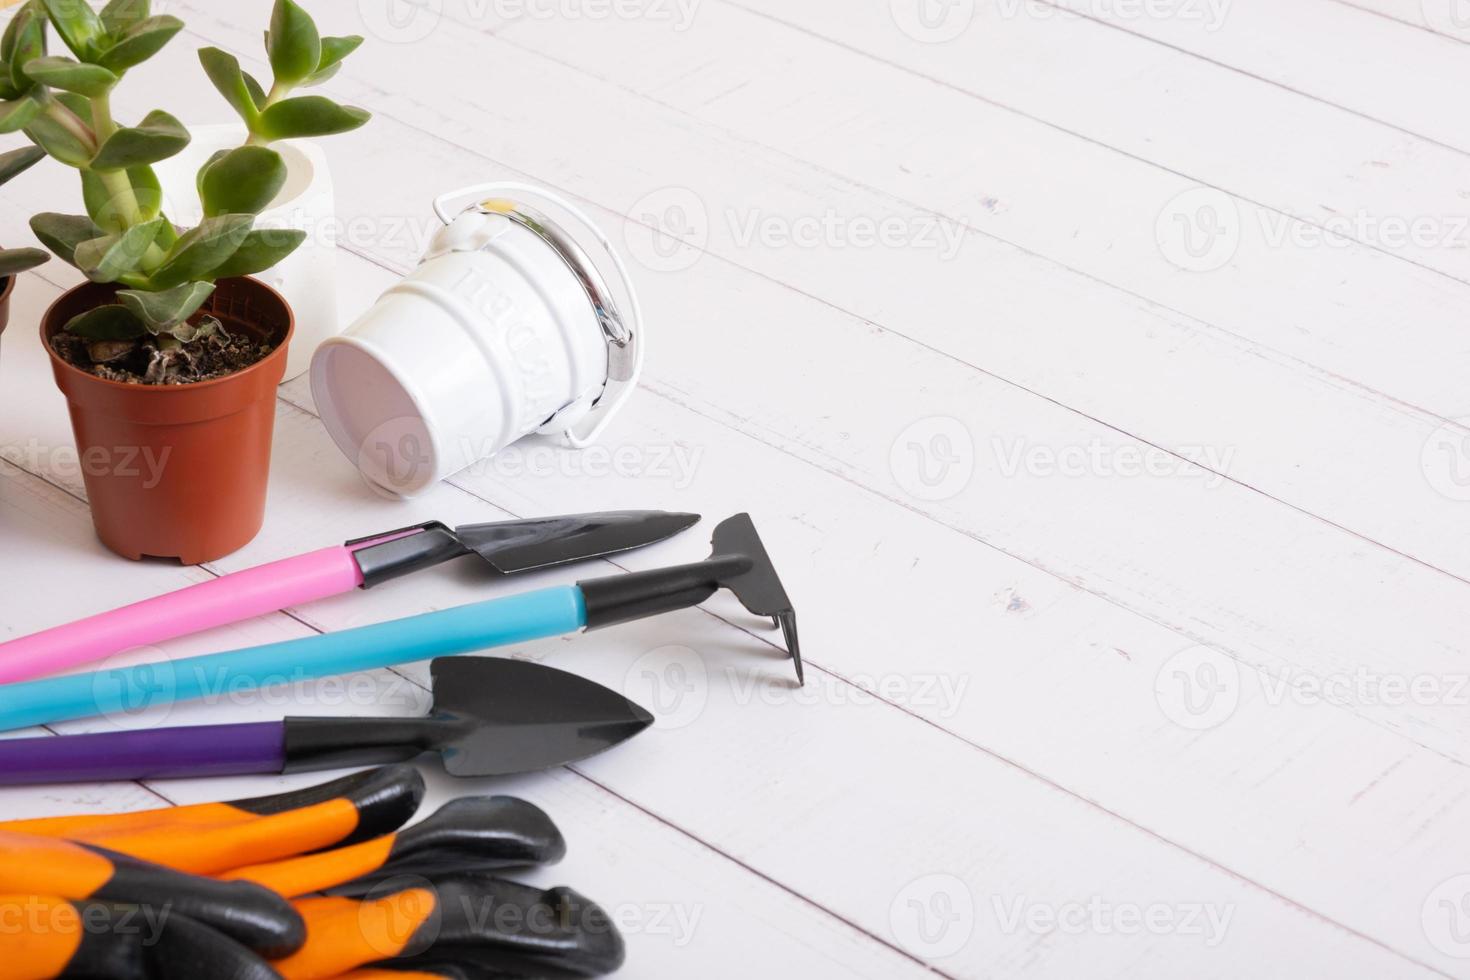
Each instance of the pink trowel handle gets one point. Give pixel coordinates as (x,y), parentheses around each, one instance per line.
(228,599)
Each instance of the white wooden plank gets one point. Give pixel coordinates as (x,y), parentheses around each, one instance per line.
(921,585)
(1220,128)
(1054,341)
(1393,327)
(1398,910)
(1342,54)
(902,767)
(437,171)
(685,902)
(1325,617)
(1444,17)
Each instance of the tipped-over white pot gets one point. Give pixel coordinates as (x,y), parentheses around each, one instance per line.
(507,327)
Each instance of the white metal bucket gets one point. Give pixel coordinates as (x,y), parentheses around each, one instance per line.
(507,327)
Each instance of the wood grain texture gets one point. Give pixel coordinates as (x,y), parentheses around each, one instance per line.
(1047,699)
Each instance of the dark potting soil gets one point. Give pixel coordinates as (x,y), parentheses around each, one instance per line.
(142,362)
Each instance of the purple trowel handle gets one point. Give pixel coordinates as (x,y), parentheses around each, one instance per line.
(158,753)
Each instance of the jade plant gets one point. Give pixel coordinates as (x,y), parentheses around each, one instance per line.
(165,274)
(14,261)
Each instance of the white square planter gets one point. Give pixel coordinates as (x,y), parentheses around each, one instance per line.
(308,276)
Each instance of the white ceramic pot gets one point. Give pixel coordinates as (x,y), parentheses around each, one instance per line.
(507,327)
(308,276)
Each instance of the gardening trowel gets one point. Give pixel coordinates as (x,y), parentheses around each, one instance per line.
(507,548)
(491,717)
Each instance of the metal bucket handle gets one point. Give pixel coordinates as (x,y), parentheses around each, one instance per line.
(623,333)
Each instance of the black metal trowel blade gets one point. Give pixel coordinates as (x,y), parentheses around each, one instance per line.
(510,716)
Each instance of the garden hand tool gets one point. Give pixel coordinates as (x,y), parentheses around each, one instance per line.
(507,548)
(477,833)
(469,920)
(739,563)
(491,717)
(249,913)
(90,940)
(219,836)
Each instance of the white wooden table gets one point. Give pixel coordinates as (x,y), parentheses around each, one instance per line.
(1092,370)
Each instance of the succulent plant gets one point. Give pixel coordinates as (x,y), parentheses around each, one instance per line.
(14,261)
(63,104)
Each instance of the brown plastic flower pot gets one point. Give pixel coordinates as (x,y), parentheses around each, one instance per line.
(178,471)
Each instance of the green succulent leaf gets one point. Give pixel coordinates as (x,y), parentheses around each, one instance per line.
(293,43)
(24,40)
(261,250)
(80,106)
(105,209)
(334,49)
(309,115)
(18,161)
(71,76)
(224,71)
(257,92)
(114,322)
(59,141)
(62,233)
(107,258)
(119,15)
(163,311)
(18,114)
(241,181)
(201,250)
(140,42)
(158,137)
(14,261)
(78,25)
